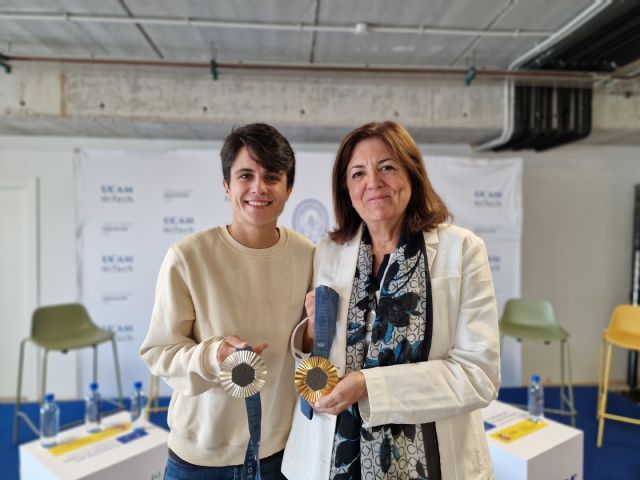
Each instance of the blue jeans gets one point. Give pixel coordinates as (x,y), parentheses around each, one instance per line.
(180,470)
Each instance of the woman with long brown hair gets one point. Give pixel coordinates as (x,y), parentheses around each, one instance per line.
(416,343)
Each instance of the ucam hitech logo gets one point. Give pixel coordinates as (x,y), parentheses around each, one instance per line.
(495,262)
(311,219)
(112,263)
(116,193)
(178,225)
(123,331)
(487,198)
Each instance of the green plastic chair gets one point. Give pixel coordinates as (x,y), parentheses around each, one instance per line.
(62,328)
(534,320)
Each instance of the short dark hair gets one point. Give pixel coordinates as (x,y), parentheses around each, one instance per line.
(266,146)
(425,210)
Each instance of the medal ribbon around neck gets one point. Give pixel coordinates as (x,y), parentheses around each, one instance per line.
(316,376)
(242,375)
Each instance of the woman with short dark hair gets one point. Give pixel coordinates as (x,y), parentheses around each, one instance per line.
(230,287)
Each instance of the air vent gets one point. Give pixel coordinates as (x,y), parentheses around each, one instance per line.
(546,117)
(609,41)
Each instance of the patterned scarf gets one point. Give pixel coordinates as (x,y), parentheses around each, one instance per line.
(401,334)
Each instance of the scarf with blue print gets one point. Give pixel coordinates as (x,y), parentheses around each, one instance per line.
(401,333)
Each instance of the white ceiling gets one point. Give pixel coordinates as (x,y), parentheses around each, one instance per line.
(490,34)
(91,36)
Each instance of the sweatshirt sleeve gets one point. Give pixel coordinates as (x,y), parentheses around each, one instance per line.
(169,349)
(466,379)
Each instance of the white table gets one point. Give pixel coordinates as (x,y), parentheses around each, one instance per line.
(115,453)
(553,452)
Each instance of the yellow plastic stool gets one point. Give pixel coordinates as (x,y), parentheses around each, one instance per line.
(623,332)
(153,406)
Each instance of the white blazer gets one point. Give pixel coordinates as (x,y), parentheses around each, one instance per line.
(461,376)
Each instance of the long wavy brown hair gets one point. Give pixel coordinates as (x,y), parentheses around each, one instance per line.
(425,209)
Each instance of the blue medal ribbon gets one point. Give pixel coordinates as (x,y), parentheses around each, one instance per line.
(324,329)
(251,467)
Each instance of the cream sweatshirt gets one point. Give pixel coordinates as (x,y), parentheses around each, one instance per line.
(211,287)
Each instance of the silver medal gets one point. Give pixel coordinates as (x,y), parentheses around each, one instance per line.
(243,374)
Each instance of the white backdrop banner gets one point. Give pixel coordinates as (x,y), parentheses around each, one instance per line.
(485,196)
(132,205)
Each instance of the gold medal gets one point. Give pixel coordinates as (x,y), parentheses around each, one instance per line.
(243,374)
(315,378)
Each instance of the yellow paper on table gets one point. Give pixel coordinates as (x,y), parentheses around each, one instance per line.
(89,439)
(517,430)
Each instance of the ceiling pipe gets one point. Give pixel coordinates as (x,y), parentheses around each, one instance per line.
(587,14)
(534,76)
(296,27)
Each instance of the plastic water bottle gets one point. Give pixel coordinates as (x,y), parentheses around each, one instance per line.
(49,421)
(138,405)
(535,400)
(93,409)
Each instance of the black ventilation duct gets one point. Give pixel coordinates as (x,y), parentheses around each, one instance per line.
(607,42)
(546,117)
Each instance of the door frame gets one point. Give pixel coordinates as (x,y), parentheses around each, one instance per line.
(29,187)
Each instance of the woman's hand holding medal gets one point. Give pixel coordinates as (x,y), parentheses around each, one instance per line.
(309,305)
(316,378)
(230,344)
(243,372)
(350,389)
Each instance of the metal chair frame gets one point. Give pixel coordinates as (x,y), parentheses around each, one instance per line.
(623,332)
(46,346)
(535,320)
(153,406)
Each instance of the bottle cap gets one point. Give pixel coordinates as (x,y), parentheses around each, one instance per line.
(535,378)
(93,386)
(138,385)
(49,397)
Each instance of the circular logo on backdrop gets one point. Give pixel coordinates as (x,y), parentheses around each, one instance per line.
(311,219)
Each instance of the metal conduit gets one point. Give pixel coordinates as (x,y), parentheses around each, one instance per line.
(358,28)
(523,76)
(509,87)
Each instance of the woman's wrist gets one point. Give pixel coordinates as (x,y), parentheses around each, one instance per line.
(364,393)
(307,340)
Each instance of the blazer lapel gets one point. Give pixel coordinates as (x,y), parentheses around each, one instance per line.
(431,245)
(342,283)
(348,262)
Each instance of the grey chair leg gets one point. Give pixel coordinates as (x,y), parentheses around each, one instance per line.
(563,385)
(95,362)
(117,365)
(16,416)
(43,388)
(572,405)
